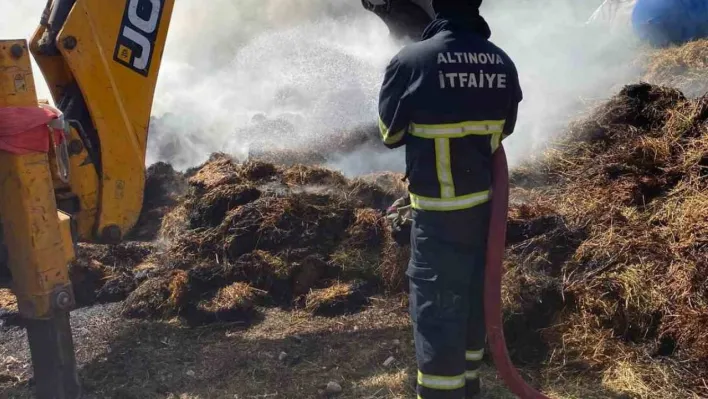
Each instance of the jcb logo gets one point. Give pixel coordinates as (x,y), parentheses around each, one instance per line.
(138,33)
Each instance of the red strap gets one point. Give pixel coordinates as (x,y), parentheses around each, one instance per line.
(24,130)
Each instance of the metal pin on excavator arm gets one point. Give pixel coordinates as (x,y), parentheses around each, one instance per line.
(101,60)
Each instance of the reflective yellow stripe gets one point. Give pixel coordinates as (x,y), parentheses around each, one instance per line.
(496,140)
(457,130)
(441,382)
(449,204)
(472,375)
(474,355)
(386,135)
(444,168)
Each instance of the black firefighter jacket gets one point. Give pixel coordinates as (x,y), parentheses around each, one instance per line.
(450,99)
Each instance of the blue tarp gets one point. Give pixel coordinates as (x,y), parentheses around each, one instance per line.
(665,22)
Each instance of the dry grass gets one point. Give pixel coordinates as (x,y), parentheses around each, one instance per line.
(178,289)
(367,226)
(614,225)
(174,223)
(327,295)
(355,262)
(313,175)
(358,255)
(263,269)
(232,303)
(8,301)
(684,67)
(209,209)
(393,264)
(257,171)
(219,170)
(391,182)
(340,298)
(158,297)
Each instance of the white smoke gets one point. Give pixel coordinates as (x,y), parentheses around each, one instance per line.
(311,69)
(253,75)
(565,65)
(316,67)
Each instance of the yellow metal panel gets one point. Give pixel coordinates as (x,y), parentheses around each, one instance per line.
(16,81)
(84,184)
(36,252)
(56,72)
(66,236)
(119,94)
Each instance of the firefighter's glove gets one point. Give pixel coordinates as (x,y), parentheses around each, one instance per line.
(399,216)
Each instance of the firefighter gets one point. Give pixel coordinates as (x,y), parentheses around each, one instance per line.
(450,99)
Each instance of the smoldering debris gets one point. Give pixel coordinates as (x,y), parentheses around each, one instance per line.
(606,258)
(608,246)
(235,236)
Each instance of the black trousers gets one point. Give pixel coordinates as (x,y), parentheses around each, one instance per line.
(446,276)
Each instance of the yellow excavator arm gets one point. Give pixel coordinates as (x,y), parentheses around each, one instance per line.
(101,60)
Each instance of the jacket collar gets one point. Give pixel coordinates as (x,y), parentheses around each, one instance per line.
(473,24)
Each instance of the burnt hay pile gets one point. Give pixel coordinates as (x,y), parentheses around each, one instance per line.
(608,247)
(236,236)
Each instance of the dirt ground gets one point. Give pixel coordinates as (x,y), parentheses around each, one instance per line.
(126,359)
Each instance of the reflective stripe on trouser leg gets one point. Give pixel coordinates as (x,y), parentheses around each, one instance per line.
(440,387)
(472,377)
(474,355)
(473,360)
(441,383)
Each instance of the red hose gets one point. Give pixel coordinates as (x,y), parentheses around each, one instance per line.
(493,279)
